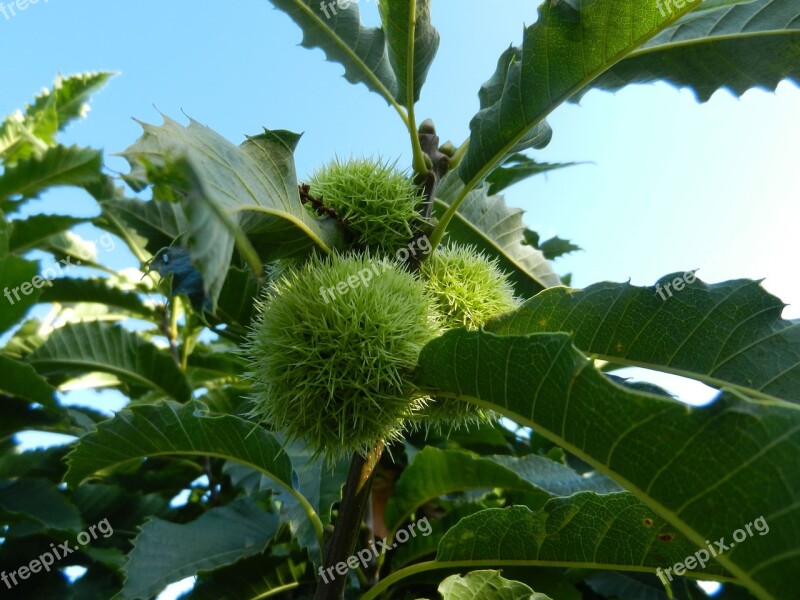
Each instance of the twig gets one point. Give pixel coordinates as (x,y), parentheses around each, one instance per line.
(351,515)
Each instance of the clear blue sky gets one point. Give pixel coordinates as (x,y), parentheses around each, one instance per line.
(675,185)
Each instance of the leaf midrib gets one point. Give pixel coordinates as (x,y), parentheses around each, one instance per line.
(707,40)
(354,57)
(741,575)
(706,378)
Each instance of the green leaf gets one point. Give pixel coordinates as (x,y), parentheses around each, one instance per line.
(59,165)
(22,135)
(641,585)
(16,277)
(171,429)
(28,233)
(319,482)
(19,415)
(559,57)
(5,233)
(486,584)
(556,247)
(165,552)
(237,300)
(613,531)
(726,334)
(487,223)
(708,471)
(412,42)
(752,44)
(434,473)
(340,34)
(81,348)
(157,223)
(20,380)
(40,500)
(254,577)
(225,187)
(519,167)
(73,291)
(66,246)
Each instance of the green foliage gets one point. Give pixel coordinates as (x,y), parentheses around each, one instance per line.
(751,44)
(165,552)
(652,445)
(486,584)
(236,471)
(29,133)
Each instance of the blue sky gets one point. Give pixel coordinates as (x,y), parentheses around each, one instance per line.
(673,185)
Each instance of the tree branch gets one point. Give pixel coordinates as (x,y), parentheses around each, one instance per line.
(351,515)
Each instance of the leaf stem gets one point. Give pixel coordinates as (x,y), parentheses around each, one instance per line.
(460,152)
(437,234)
(416,148)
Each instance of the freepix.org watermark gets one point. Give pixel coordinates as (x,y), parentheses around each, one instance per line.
(678,283)
(11,9)
(329,7)
(56,553)
(105,241)
(367,555)
(702,556)
(665,7)
(364,276)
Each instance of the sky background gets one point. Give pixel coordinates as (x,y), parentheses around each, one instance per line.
(672,185)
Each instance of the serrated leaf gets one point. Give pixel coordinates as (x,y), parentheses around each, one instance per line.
(29,232)
(398,23)
(519,167)
(16,278)
(750,44)
(56,166)
(434,473)
(727,334)
(81,348)
(51,111)
(487,223)
(254,577)
(168,428)
(70,250)
(340,34)
(707,470)
(319,482)
(226,190)
(613,531)
(165,552)
(73,291)
(486,584)
(556,247)
(157,223)
(20,380)
(41,500)
(559,57)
